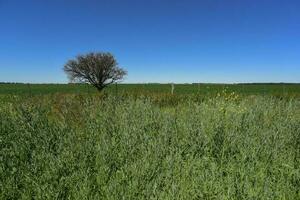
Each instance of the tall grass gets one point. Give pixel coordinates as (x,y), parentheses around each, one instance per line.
(91,147)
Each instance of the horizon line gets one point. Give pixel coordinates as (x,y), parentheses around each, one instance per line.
(183,83)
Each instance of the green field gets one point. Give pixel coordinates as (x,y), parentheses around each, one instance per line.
(203,89)
(137,141)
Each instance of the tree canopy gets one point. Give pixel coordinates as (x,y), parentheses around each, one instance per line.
(98,69)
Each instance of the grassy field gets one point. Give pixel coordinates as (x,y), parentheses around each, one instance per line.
(204,142)
(203,89)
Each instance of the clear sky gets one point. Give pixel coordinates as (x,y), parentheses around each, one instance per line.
(154,40)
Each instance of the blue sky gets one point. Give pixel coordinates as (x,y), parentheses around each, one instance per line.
(154,40)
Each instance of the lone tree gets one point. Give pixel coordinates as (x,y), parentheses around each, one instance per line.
(98,69)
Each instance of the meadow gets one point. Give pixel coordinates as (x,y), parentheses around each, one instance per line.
(196,88)
(138,141)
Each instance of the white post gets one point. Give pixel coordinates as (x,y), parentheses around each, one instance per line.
(172,88)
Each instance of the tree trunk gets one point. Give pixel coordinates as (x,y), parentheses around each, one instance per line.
(99,87)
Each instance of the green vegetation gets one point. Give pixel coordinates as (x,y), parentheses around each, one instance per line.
(203,89)
(60,142)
